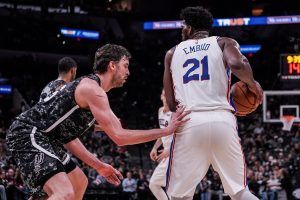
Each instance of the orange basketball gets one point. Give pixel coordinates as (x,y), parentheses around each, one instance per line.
(244,100)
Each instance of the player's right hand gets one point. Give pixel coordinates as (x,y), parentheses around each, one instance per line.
(153,154)
(258,91)
(178,119)
(112,175)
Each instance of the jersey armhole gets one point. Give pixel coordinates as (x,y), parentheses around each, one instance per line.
(219,48)
(220,51)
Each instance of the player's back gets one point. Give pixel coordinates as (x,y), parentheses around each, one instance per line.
(201,80)
(50,88)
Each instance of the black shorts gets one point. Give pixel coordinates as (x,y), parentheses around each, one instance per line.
(38,157)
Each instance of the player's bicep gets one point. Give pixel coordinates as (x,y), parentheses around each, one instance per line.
(168,82)
(232,54)
(103,113)
(98,104)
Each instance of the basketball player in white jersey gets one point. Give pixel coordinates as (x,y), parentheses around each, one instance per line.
(197,75)
(158,179)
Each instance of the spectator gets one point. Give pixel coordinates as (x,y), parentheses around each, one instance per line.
(99,180)
(129,187)
(142,187)
(15,188)
(216,187)
(274,186)
(253,183)
(262,186)
(149,174)
(204,189)
(2,185)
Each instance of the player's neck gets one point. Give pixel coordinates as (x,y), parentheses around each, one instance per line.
(166,109)
(65,77)
(105,81)
(199,35)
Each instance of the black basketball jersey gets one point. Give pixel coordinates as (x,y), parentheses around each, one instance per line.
(52,87)
(59,115)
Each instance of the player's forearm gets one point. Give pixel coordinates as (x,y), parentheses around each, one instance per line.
(79,150)
(243,71)
(129,137)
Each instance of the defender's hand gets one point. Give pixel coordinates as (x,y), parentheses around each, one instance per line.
(112,175)
(178,119)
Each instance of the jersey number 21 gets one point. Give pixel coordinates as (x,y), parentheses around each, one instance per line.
(187,77)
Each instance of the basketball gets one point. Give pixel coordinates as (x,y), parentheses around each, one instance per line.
(244,100)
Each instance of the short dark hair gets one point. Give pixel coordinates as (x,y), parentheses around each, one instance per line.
(65,64)
(107,53)
(197,17)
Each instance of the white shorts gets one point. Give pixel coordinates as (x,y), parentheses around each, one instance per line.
(214,141)
(159,175)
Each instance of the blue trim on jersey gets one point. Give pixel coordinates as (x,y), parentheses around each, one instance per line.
(228,72)
(170,162)
(232,104)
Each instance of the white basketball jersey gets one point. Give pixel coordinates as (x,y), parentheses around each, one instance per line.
(201,80)
(164,119)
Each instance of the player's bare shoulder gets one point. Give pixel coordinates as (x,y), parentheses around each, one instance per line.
(168,57)
(86,90)
(226,41)
(170,52)
(87,86)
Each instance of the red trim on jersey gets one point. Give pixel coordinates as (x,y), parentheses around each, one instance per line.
(228,86)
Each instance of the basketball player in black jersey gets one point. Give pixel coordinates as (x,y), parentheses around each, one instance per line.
(67,68)
(67,72)
(69,112)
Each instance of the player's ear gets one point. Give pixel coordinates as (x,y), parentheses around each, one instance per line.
(190,30)
(111,66)
(74,69)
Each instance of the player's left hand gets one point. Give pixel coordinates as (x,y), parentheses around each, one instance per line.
(163,154)
(112,175)
(258,91)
